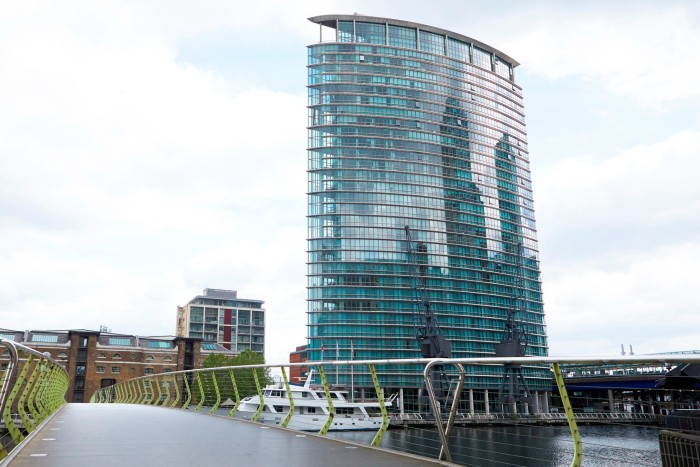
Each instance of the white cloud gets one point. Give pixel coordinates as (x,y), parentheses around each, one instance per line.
(638,50)
(122,167)
(619,241)
(647,300)
(643,190)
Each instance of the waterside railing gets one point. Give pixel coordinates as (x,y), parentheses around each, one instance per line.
(33,387)
(222,391)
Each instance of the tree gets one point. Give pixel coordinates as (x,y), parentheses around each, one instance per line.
(244,378)
(218,359)
(245,382)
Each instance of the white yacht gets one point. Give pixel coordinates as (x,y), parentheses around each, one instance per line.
(311,408)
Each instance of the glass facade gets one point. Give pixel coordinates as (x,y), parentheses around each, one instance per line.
(413,126)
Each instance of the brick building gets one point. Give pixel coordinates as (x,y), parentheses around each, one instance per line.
(97,359)
(297,374)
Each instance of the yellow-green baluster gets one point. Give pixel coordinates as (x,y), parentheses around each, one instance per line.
(286,420)
(156,399)
(235,391)
(177,392)
(260,396)
(201,392)
(331,409)
(385,417)
(189,393)
(166,385)
(28,424)
(218,394)
(571,420)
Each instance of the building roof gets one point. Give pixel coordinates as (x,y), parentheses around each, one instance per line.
(222,294)
(330,21)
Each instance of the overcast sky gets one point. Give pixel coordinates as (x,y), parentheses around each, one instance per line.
(151,149)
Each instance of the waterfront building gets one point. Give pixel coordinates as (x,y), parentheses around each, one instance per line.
(413,125)
(96,359)
(297,374)
(219,316)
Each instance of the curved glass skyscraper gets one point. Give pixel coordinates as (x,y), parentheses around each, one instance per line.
(411,125)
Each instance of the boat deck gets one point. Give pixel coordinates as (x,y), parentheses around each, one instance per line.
(125,434)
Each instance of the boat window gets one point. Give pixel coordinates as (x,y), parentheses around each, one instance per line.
(283,394)
(334,395)
(267,393)
(265,408)
(304,394)
(311,410)
(278,408)
(344,410)
(321,395)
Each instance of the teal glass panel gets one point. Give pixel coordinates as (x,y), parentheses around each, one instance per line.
(402,37)
(345,31)
(124,341)
(371,33)
(431,42)
(458,50)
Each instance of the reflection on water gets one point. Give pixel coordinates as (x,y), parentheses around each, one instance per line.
(603,445)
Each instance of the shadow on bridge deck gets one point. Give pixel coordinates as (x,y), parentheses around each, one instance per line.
(125,434)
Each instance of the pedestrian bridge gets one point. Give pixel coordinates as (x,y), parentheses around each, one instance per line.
(127,434)
(177,418)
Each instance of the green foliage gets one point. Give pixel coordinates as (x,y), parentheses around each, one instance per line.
(216,360)
(245,381)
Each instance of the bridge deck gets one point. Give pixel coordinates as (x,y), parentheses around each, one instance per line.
(124,434)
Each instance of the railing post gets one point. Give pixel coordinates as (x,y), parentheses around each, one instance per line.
(28,391)
(385,418)
(177,392)
(136,386)
(189,392)
(147,391)
(453,409)
(156,399)
(286,420)
(201,392)
(125,387)
(235,391)
(331,409)
(117,393)
(218,393)
(568,410)
(436,410)
(166,384)
(260,396)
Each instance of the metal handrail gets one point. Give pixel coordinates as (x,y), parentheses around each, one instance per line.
(135,390)
(34,394)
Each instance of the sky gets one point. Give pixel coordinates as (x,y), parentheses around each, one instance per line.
(149,150)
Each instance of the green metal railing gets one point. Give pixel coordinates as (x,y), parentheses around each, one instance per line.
(215,388)
(33,387)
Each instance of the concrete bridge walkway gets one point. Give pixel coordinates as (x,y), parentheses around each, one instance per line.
(125,435)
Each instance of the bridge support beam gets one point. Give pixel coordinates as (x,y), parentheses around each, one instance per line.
(471,402)
(486,402)
(611,400)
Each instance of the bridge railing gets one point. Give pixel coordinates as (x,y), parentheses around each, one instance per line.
(33,386)
(246,392)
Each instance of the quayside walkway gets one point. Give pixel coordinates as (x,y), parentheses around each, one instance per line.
(128,434)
